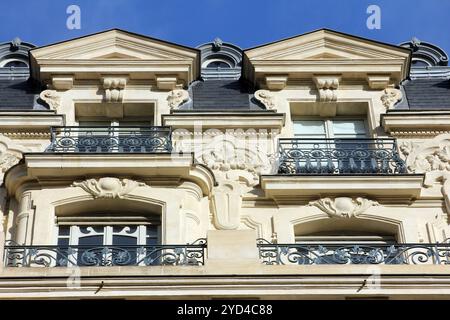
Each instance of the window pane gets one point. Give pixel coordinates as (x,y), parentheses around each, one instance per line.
(313,128)
(64,231)
(91,241)
(349,128)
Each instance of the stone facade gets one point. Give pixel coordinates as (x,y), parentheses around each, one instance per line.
(220,179)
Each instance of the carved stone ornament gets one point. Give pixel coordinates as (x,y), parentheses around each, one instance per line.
(231,161)
(444,178)
(343,207)
(390,97)
(266,98)
(433,155)
(108,187)
(327,86)
(114,88)
(226,202)
(52,98)
(7,160)
(177,97)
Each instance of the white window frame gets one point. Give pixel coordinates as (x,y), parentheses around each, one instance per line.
(328,121)
(75,234)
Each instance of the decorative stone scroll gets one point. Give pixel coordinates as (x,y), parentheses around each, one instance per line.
(52,98)
(343,207)
(266,98)
(108,187)
(390,97)
(177,97)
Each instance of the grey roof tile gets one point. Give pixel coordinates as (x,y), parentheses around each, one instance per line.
(17,95)
(428,93)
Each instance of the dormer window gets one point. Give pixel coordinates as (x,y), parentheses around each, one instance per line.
(15,64)
(218,64)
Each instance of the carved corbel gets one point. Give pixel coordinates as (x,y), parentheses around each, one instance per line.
(166,82)
(390,97)
(177,97)
(114,88)
(327,86)
(266,98)
(52,98)
(226,202)
(378,81)
(62,82)
(276,82)
(343,207)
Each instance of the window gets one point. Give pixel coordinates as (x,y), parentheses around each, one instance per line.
(122,242)
(110,136)
(334,145)
(342,247)
(15,64)
(330,129)
(218,64)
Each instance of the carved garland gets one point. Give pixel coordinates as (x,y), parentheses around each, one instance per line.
(343,207)
(108,187)
(433,155)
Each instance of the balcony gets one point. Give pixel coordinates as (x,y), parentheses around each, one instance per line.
(102,256)
(110,140)
(339,157)
(362,253)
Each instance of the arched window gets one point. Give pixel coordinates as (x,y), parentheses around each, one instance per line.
(16,64)
(122,234)
(218,64)
(345,241)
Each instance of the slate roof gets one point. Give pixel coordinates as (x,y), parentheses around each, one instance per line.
(222,95)
(18,95)
(428,93)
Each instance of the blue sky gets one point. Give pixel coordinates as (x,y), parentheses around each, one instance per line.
(243,22)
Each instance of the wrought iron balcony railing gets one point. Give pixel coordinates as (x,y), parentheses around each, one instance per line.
(319,254)
(339,156)
(85,256)
(110,139)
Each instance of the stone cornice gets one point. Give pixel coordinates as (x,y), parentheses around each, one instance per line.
(31,122)
(51,166)
(224,120)
(416,123)
(303,188)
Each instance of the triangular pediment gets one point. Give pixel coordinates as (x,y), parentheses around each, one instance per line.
(325,45)
(115,52)
(114,44)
